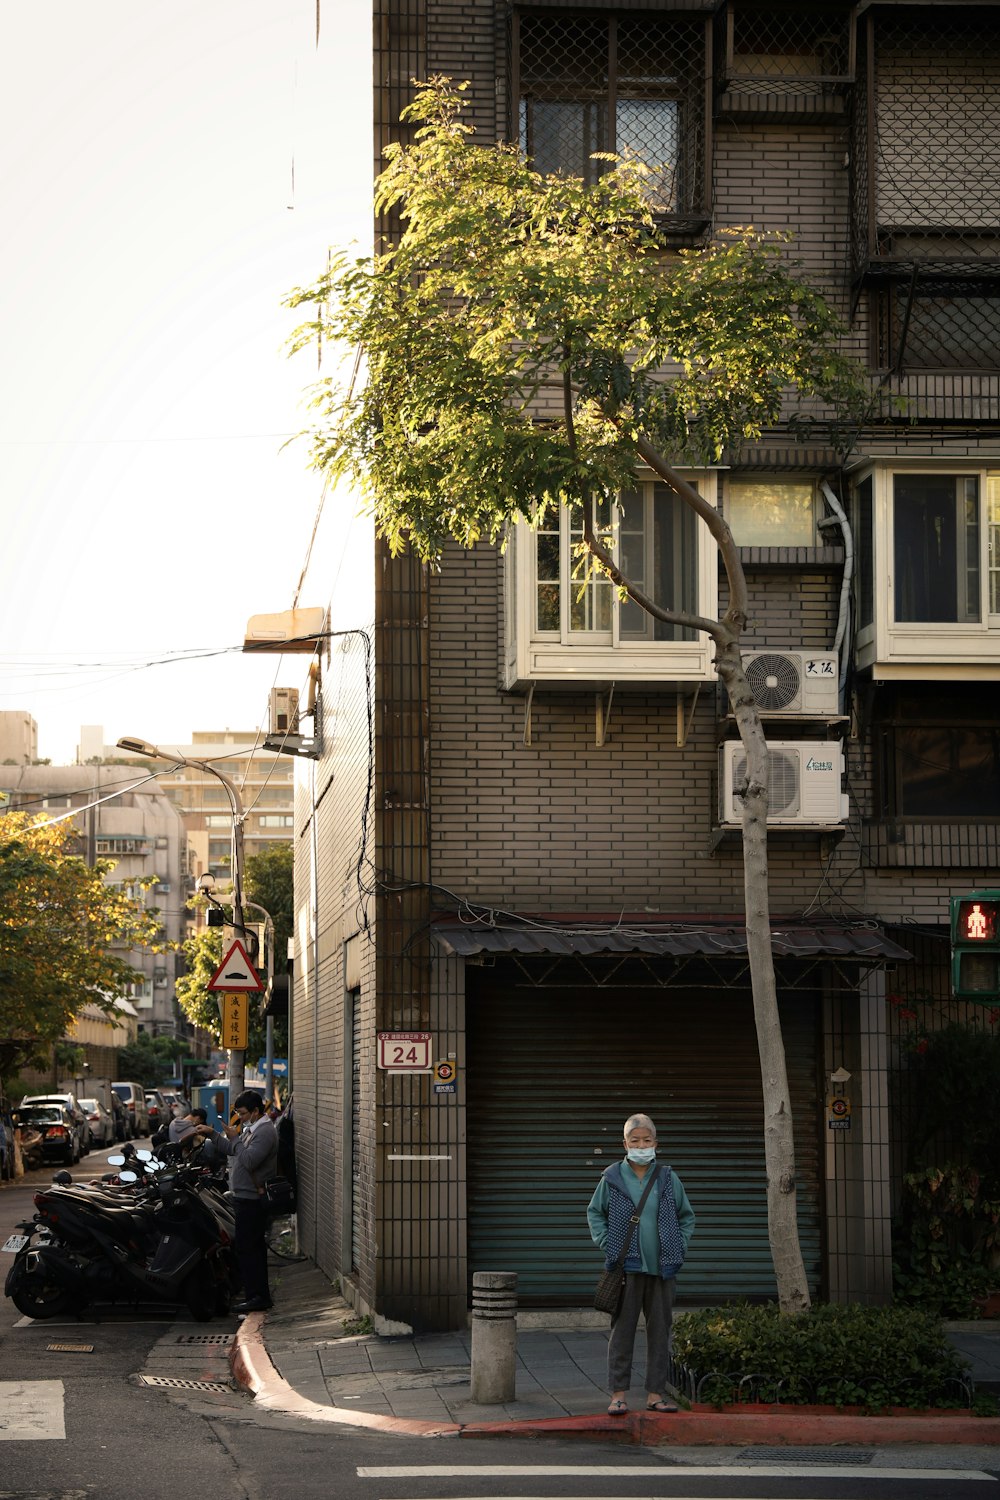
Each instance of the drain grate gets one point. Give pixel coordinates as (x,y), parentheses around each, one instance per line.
(175,1383)
(805,1456)
(70,1348)
(205,1338)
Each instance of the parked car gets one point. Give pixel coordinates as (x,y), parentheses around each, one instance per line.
(99,1121)
(119,1116)
(157,1109)
(56,1126)
(72,1106)
(133,1096)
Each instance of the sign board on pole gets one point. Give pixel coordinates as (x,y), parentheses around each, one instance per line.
(236,973)
(235,1021)
(280,1066)
(404,1051)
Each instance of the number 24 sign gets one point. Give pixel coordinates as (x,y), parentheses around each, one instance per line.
(404,1051)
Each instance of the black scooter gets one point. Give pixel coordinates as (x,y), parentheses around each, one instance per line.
(86,1245)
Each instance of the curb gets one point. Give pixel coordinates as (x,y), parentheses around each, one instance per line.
(701,1428)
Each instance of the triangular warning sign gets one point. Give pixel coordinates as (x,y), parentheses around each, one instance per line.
(236,972)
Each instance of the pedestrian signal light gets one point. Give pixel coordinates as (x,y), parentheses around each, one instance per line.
(975,946)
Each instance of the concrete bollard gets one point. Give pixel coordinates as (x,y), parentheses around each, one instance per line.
(494,1336)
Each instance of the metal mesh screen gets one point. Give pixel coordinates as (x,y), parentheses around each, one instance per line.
(926,188)
(783,49)
(632,84)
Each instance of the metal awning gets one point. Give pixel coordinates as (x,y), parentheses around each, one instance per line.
(527,937)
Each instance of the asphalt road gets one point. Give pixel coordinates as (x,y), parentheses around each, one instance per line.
(80,1422)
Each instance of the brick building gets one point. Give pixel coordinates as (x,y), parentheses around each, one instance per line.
(527,846)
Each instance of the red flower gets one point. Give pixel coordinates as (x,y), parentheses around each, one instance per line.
(922,1045)
(994,1017)
(895,1000)
(906,1014)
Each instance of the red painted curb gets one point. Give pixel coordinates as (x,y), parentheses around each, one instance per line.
(702,1427)
(789,1427)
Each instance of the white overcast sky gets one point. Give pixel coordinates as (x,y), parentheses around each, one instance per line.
(152,224)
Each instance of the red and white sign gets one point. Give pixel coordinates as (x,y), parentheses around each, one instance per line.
(236,973)
(404,1051)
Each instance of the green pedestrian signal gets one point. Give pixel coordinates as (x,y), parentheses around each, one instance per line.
(975,946)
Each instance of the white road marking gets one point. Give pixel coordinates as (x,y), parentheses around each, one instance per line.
(31,1410)
(673,1472)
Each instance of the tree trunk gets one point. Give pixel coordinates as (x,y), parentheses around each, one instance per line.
(779,1140)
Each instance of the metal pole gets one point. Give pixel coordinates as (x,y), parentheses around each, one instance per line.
(269,1020)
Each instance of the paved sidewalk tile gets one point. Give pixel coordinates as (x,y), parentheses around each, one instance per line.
(425,1404)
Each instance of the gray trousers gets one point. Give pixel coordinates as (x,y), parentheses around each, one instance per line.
(654,1298)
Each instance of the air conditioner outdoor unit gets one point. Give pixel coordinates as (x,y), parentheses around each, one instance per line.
(803,783)
(284,711)
(793,682)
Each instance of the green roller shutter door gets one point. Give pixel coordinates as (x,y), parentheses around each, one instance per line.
(552,1076)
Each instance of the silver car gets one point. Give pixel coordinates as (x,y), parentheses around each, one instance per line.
(99,1122)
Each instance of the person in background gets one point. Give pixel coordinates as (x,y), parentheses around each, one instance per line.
(252,1147)
(657,1246)
(186,1124)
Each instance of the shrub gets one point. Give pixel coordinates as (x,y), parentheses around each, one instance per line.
(873,1357)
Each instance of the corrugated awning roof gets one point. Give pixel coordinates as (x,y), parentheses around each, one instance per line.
(466,939)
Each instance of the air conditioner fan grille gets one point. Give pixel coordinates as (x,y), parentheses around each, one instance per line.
(782,780)
(774,679)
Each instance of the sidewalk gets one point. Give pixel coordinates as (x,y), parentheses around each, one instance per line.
(301,1359)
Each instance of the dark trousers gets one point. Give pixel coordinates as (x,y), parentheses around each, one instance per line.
(654,1298)
(251,1246)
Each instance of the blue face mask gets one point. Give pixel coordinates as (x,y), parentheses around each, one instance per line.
(641,1155)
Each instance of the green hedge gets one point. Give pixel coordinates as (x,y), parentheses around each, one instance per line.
(873,1357)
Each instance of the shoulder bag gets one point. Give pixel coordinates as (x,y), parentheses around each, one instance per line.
(611,1288)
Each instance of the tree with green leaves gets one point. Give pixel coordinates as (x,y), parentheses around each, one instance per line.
(268,881)
(63,930)
(529,342)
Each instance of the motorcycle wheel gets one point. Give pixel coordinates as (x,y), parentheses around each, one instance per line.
(199,1293)
(36,1296)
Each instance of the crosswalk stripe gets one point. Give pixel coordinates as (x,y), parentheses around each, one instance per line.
(657,1475)
(31,1410)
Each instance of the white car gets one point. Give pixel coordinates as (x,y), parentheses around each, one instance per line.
(100,1122)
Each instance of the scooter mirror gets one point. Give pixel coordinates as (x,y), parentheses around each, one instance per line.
(116,1161)
(128,1177)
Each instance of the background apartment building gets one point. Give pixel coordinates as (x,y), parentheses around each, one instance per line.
(265,784)
(18,738)
(528,849)
(142,834)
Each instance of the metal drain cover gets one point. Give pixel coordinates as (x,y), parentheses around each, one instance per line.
(805,1456)
(70,1348)
(205,1338)
(174,1383)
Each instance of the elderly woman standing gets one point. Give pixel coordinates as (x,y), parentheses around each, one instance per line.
(657,1246)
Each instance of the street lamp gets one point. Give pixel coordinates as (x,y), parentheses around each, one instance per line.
(237,1060)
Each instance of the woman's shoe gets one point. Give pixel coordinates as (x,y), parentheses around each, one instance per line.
(617,1408)
(661,1406)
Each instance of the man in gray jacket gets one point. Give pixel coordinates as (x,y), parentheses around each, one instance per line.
(252,1146)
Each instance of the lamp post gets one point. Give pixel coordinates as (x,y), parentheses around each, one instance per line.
(237,1060)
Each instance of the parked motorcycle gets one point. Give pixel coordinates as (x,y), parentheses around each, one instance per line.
(161,1238)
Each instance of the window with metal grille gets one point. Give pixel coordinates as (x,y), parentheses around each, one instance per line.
(784,49)
(938,756)
(925,172)
(632,84)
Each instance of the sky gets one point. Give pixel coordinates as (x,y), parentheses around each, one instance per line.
(169,170)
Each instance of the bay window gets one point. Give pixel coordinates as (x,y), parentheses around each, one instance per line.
(563,624)
(929,582)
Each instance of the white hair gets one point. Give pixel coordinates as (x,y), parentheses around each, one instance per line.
(639,1122)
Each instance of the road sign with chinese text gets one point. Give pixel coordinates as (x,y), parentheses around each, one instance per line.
(235,1021)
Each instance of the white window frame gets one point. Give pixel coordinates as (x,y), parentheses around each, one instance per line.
(919,649)
(600,657)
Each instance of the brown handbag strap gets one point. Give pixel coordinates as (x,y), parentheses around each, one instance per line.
(637,1215)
